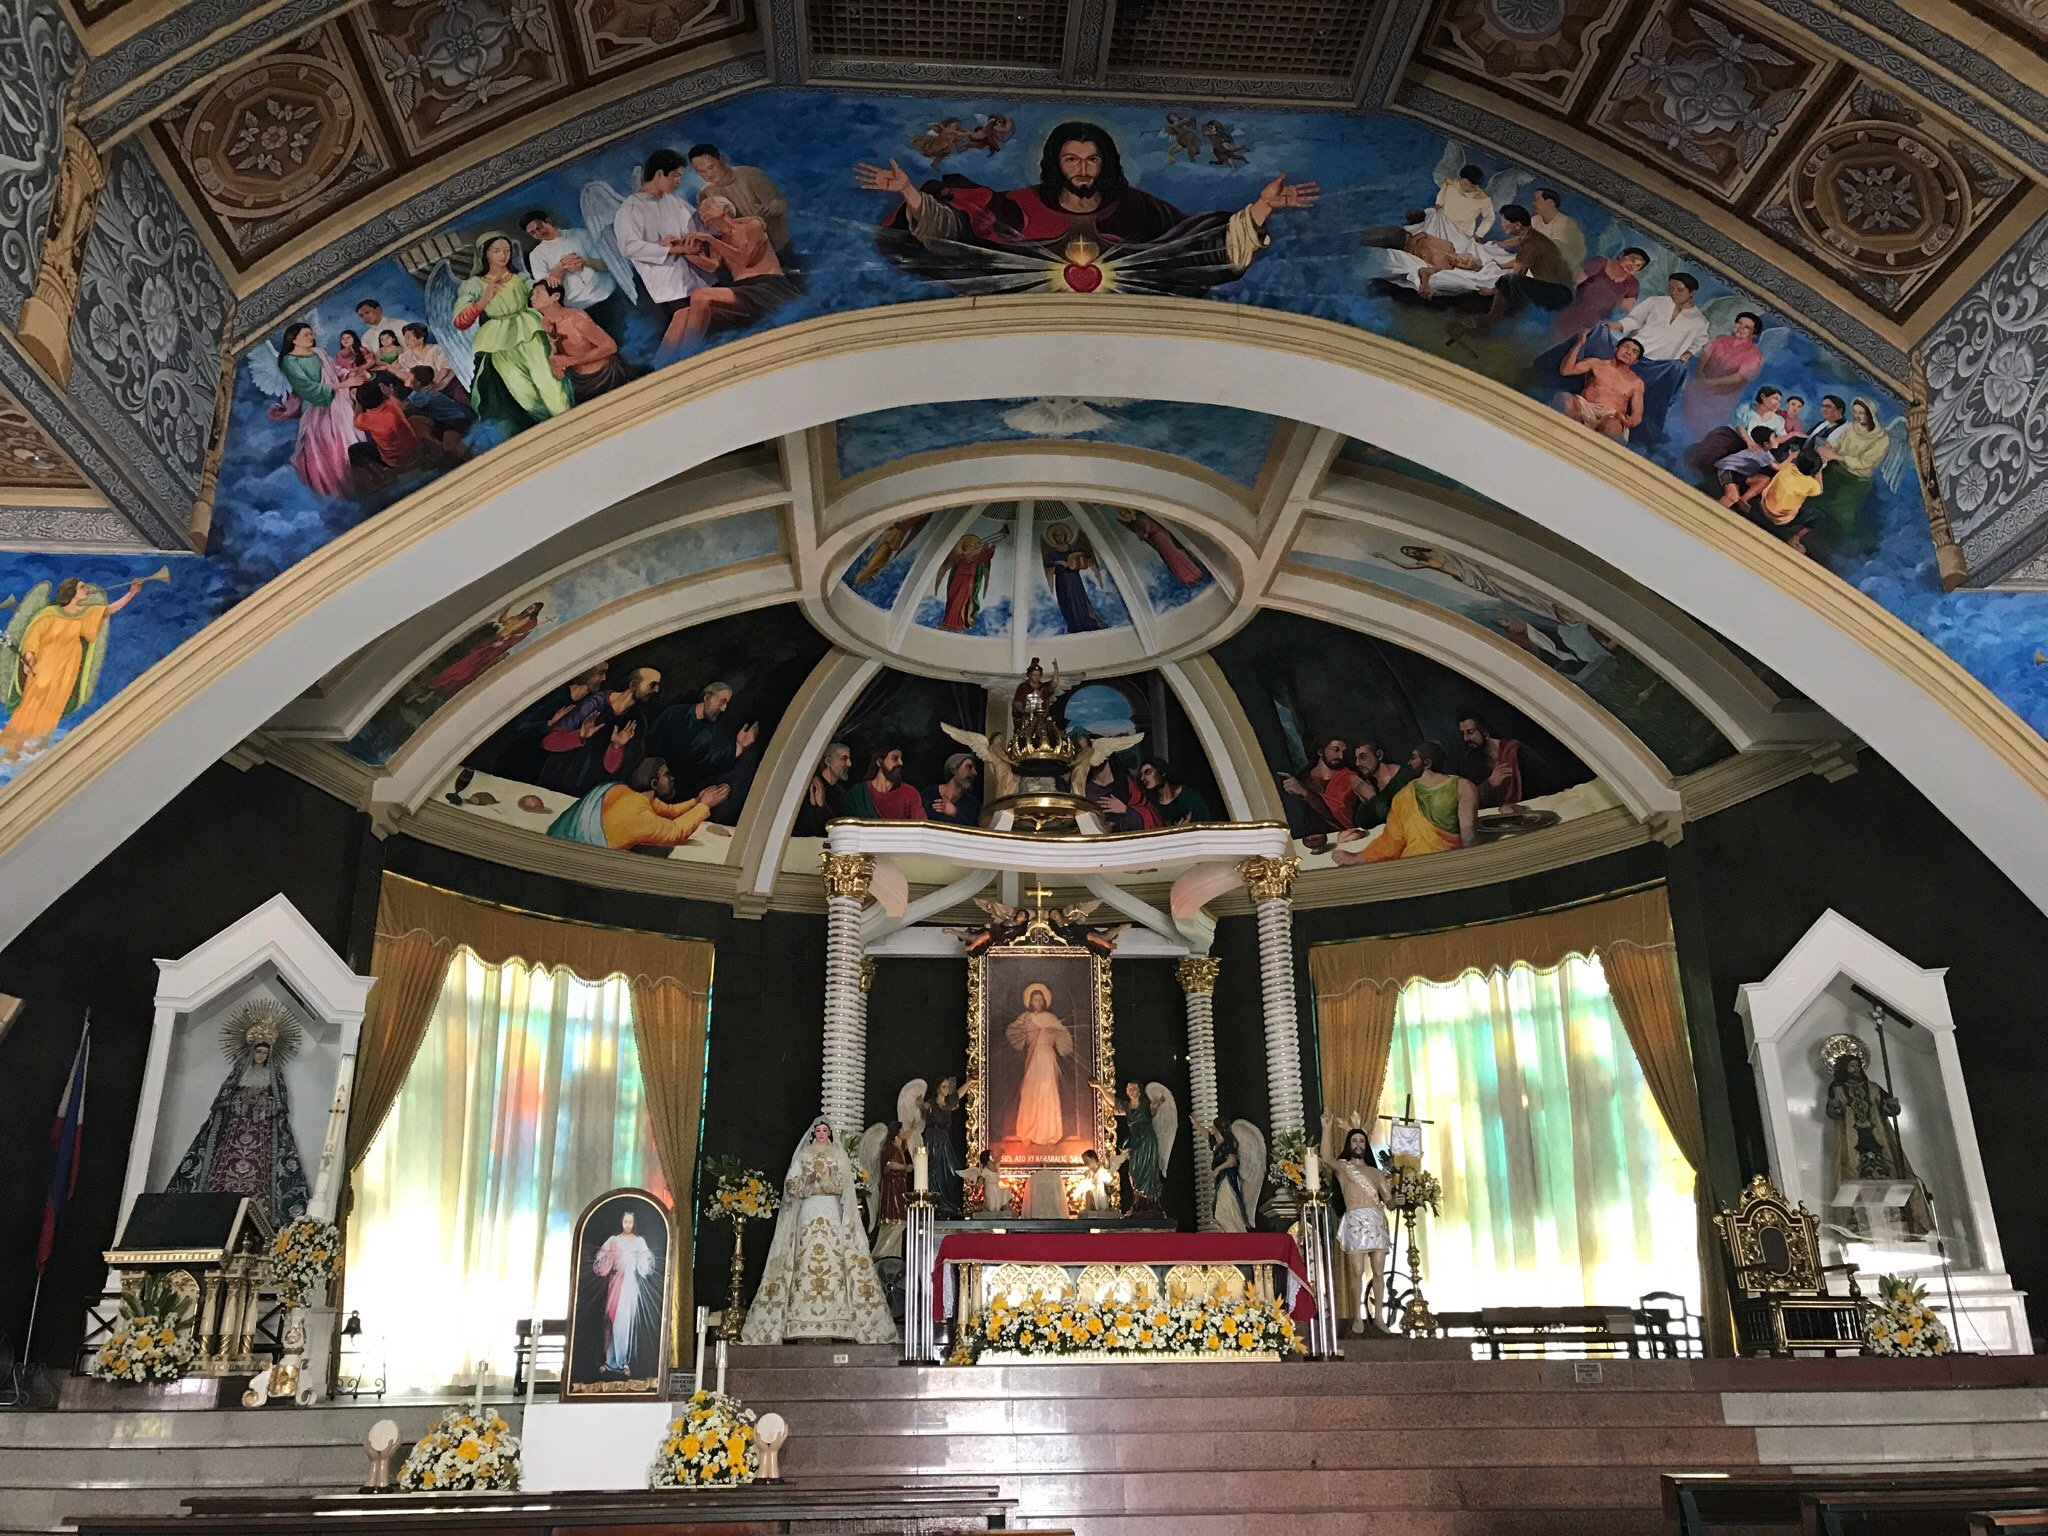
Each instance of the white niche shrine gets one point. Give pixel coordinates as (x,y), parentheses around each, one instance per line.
(1838,980)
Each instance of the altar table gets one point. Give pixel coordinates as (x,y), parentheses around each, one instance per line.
(1263,1252)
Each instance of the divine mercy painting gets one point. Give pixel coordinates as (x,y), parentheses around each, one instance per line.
(618,1300)
(1040,1035)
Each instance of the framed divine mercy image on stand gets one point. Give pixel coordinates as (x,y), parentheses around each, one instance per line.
(1038,1025)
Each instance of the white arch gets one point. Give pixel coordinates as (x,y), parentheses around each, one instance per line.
(1973,758)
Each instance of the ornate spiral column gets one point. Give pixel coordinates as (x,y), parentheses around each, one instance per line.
(846,1037)
(44,327)
(1197,976)
(1270,881)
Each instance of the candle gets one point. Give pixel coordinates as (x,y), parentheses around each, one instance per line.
(1312,1169)
(532,1359)
(482,1369)
(703,1320)
(920,1168)
(721,1367)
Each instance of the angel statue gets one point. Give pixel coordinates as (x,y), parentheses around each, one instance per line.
(1237,1153)
(887,1159)
(246,1146)
(819,1282)
(1099,750)
(1151,1122)
(51,657)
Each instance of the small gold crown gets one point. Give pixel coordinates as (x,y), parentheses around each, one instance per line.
(262,1033)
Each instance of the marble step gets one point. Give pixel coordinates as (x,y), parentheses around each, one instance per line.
(1404,1522)
(1071,1498)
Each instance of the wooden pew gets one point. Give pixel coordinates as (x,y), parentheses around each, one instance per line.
(1516,1332)
(793,1507)
(1992,1522)
(1909,1511)
(1696,1503)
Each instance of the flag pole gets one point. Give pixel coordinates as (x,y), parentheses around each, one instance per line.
(80,1064)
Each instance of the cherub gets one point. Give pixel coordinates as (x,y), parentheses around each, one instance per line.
(992,135)
(940,140)
(1183,138)
(1228,151)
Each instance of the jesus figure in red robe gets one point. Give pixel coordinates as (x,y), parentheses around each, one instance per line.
(1083,229)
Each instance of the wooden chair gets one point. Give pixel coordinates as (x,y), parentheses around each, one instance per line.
(1783,1304)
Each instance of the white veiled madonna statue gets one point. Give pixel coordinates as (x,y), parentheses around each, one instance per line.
(820,1282)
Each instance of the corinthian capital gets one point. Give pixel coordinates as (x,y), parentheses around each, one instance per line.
(1269,879)
(1197,973)
(848,874)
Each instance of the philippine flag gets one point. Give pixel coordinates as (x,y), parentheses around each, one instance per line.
(67,1134)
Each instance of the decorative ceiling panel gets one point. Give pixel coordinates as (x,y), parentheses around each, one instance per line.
(30,460)
(1030,33)
(1706,96)
(1241,39)
(2026,20)
(457,68)
(281,144)
(1888,198)
(1545,50)
(612,35)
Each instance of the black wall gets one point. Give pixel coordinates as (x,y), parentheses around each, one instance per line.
(225,846)
(1745,884)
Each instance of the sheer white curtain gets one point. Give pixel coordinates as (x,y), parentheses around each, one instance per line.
(523,1104)
(1562,1186)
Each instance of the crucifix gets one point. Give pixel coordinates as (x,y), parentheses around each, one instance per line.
(1038,893)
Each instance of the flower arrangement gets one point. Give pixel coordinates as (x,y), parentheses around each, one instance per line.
(304,1257)
(1414,1189)
(738,1191)
(1290,1160)
(469,1449)
(1901,1324)
(1217,1329)
(152,1339)
(711,1444)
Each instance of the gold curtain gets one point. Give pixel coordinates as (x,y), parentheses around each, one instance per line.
(420,926)
(1357,985)
(670,1016)
(1643,981)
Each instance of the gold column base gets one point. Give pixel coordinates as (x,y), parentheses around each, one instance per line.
(44,332)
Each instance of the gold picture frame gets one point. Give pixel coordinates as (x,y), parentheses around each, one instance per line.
(1078,978)
(584,1371)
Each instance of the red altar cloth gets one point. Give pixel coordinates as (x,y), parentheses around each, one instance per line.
(1123,1248)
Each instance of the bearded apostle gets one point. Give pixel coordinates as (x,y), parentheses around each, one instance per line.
(882,795)
(1432,813)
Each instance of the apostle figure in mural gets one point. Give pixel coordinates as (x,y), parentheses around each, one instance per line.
(51,657)
(820,1281)
(1083,229)
(246,1147)
(1043,1040)
(1433,812)
(626,1266)
(1863,1136)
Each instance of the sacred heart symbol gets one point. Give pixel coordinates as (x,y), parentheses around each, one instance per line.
(1083,279)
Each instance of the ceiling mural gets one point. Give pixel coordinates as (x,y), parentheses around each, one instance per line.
(1561,639)
(1382,753)
(656,561)
(652,752)
(1232,444)
(30,459)
(529,304)
(1883,195)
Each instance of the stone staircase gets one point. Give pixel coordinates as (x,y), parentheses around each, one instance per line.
(1396,1441)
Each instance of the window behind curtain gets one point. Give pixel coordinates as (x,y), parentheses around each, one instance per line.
(524,1103)
(1562,1186)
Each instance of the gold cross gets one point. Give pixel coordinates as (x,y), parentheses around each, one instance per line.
(1038,893)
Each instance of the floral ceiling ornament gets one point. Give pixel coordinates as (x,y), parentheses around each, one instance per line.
(462,49)
(1987,412)
(1705,91)
(272,137)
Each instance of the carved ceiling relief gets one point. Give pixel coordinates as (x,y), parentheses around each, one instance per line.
(38,56)
(1545,50)
(281,143)
(1887,197)
(1706,95)
(30,459)
(2026,20)
(447,68)
(615,33)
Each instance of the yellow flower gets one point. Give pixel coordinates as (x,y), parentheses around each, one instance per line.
(691,1445)
(1213,1342)
(467,1450)
(735,1450)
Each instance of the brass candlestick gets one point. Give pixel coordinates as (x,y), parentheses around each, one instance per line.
(1417,1321)
(735,1316)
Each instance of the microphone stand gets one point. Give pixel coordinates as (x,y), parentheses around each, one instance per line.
(1889,1107)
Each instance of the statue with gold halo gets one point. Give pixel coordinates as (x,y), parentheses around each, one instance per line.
(1037,774)
(246,1146)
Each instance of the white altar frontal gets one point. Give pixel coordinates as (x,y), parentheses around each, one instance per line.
(1839,981)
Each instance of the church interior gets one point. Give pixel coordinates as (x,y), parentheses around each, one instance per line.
(1456,955)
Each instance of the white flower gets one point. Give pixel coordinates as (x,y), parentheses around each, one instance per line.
(2008,379)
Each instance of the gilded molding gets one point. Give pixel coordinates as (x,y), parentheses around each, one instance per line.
(1269,879)
(867,970)
(1197,973)
(44,330)
(847,874)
